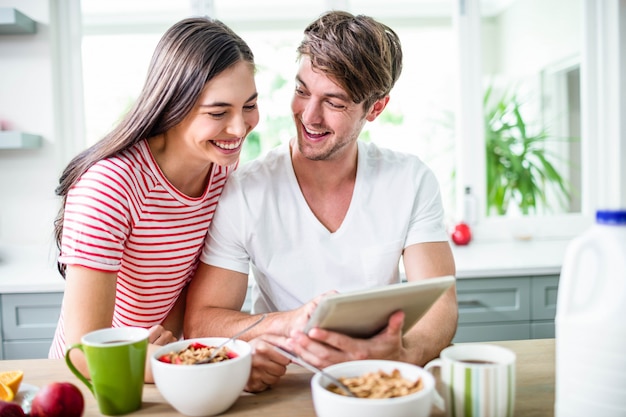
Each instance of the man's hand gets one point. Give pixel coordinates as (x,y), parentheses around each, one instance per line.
(267,364)
(323,348)
(296,320)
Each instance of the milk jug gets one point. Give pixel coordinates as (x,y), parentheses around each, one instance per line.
(590,322)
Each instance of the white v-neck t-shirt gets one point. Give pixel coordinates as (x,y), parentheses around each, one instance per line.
(264,224)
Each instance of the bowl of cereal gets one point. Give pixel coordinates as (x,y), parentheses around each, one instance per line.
(202,389)
(381,388)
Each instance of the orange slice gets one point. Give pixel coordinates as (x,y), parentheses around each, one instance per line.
(6,393)
(12,379)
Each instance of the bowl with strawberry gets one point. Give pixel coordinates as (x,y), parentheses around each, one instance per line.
(198,377)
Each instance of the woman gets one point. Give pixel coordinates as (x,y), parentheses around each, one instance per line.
(137,204)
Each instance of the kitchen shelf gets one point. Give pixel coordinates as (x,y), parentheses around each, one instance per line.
(19,140)
(14,22)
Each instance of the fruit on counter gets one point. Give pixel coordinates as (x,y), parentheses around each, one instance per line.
(8,409)
(6,393)
(461,234)
(12,379)
(58,399)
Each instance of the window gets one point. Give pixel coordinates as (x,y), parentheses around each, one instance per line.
(436,109)
(533,73)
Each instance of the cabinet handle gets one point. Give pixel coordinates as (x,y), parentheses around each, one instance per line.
(469,303)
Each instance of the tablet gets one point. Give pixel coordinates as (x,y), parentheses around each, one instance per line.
(364,313)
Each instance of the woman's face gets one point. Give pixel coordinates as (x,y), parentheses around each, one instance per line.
(226,111)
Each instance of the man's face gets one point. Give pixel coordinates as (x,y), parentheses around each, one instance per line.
(328,122)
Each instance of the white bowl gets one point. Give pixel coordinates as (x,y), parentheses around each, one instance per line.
(206,389)
(329,404)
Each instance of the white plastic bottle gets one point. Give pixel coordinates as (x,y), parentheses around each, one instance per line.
(470,207)
(591,322)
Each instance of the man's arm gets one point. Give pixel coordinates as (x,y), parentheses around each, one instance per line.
(214,301)
(435,330)
(422,342)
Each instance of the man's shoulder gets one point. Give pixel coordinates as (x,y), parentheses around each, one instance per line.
(390,158)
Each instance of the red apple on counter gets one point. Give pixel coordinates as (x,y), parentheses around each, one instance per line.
(8,409)
(58,399)
(461,234)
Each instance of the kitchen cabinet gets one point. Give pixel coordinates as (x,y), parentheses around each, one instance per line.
(14,22)
(28,323)
(506,308)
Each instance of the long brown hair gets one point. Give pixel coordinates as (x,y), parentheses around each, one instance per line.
(189,54)
(362,55)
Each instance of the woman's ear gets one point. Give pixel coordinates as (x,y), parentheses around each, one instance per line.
(377,108)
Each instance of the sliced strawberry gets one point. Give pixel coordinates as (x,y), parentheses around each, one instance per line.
(165,358)
(196,345)
(231,354)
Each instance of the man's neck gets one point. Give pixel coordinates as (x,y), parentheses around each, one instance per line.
(327,186)
(326,174)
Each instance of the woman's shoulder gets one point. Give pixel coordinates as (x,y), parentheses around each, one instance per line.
(123,170)
(127,160)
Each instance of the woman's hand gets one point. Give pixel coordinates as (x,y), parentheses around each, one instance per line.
(158,335)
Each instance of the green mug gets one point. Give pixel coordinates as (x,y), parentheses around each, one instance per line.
(116,359)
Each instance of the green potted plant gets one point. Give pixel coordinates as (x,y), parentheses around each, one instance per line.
(520,168)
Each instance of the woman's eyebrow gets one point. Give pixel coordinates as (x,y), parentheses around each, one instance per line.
(225,104)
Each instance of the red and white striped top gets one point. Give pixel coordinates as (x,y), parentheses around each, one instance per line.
(124,216)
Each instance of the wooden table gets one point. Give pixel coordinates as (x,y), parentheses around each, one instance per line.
(292,396)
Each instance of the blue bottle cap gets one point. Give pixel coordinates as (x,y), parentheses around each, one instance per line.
(611,217)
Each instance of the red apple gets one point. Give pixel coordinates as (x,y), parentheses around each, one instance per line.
(461,234)
(58,399)
(8,409)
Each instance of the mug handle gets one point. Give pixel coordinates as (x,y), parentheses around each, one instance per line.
(75,371)
(437,398)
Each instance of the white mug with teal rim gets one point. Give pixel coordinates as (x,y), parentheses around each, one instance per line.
(477,380)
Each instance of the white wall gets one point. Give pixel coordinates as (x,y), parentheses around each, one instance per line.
(28,178)
(529,35)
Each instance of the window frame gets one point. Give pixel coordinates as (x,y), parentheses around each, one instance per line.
(603,109)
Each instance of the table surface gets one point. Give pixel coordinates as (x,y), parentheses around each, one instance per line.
(291,397)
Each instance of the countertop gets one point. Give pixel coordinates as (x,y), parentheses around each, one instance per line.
(29,268)
(291,397)
(510,258)
(25,269)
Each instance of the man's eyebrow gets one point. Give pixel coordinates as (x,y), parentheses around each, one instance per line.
(224,104)
(340,95)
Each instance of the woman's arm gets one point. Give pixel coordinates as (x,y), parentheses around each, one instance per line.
(88,305)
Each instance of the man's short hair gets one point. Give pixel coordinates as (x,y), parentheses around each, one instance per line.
(363,56)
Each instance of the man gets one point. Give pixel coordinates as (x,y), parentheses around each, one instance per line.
(326,213)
